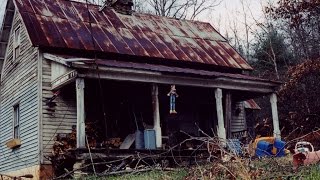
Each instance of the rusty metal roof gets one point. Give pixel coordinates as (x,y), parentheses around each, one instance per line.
(251,104)
(66,24)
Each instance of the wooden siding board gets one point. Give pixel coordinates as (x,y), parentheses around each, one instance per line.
(58,119)
(238,122)
(22,92)
(19,84)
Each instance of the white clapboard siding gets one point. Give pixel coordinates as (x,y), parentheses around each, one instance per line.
(19,85)
(238,122)
(58,119)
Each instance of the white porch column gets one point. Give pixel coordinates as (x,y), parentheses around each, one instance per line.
(220,129)
(156,115)
(275,118)
(81,134)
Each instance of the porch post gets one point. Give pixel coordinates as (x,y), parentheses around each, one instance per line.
(81,134)
(156,115)
(275,118)
(228,113)
(221,131)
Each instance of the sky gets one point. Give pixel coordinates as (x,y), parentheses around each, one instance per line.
(231,13)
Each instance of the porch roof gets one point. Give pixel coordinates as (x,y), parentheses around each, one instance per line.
(152,73)
(166,69)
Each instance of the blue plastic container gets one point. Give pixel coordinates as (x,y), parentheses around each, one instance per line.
(139,142)
(279,145)
(149,139)
(264,149)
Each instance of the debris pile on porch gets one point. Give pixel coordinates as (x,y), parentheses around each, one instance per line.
(104,161)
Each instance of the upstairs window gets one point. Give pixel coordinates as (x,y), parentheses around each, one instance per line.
(16,44)
(16,121)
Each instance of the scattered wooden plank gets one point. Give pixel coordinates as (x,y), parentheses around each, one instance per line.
(128,141)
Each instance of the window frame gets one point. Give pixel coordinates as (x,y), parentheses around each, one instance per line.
(16,42)
(16,121)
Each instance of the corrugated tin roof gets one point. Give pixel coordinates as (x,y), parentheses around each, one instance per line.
(251,104)
(66,24)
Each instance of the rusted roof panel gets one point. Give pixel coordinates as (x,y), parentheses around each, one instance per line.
(174,47)
(83,34)
(24,6)
(73,25)
(251,104)
(236,56)
(70,36)
(50,31)
(34,26)
(69,10)
(225,56)
(161,46)
(55,8)
(117,40)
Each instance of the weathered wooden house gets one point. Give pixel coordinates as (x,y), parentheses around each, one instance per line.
(67,63)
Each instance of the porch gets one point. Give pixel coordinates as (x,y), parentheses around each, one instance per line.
(124,98)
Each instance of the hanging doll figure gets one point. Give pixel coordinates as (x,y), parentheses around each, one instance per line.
(173,95)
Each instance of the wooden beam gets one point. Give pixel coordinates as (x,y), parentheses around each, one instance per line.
(159,78)
(81,134)
(55,58)
(221,131)
(228,113)
(64,80)
(275,118)
(249,81)
(156,115)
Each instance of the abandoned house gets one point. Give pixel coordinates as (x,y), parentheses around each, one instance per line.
(72,67)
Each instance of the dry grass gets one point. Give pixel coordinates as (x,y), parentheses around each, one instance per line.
(266,168)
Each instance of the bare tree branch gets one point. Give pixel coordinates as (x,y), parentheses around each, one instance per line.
(182,9)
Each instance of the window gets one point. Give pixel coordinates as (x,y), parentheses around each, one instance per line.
(16,121)
(16,43)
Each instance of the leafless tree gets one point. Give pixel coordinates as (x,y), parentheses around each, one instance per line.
(264,24)
(246,27)
(182,9)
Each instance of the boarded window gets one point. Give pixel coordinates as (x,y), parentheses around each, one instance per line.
(16,121)
(17,42)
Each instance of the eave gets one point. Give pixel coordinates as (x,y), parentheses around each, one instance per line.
(5,29)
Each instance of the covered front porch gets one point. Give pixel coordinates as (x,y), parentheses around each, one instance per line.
(125,98)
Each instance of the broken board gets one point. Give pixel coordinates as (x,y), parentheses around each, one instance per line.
(128,141)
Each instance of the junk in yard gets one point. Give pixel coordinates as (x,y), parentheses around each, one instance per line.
(303,147)
(234,145)
(149,139)
(305,154)
(139,142)
(268,146)
(128,141)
